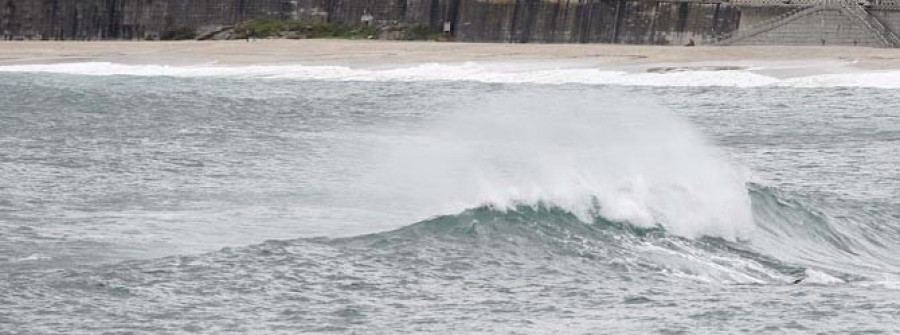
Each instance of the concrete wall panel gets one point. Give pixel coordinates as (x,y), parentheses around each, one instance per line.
(518,21)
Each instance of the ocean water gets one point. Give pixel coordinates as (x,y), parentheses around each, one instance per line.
(465,199)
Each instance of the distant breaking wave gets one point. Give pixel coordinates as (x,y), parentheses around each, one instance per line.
(537,73)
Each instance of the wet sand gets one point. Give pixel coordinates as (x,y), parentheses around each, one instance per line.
(386,53)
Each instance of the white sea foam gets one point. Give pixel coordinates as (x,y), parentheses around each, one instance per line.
(539,73)
(819,277)
(877,79)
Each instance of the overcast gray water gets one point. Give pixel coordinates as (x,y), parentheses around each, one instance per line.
(205,204)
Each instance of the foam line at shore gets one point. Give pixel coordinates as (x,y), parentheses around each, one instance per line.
(470,71)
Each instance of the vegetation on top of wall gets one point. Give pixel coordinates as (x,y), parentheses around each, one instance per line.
(178,34)
(263,28)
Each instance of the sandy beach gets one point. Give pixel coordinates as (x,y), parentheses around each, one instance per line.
(365,53)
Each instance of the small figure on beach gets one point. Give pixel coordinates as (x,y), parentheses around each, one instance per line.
(251,35)
(690,43)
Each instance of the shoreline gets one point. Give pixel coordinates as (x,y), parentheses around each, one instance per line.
(364,53)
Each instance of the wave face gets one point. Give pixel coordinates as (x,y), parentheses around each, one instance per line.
(826,236)
(614,249)
(524,269)
(509,73)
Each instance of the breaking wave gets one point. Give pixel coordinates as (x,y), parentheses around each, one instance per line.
(788,241)
(625,184)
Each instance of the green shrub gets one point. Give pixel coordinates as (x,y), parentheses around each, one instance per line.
(178,34)
(335,30)
(262,27)
(314,29)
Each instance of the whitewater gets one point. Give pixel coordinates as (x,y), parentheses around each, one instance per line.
(745,74)
(470,198)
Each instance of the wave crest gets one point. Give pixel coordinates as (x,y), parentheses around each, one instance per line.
(594,156)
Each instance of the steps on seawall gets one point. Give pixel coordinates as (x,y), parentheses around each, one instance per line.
(767,25)
(853,10)
(857,11)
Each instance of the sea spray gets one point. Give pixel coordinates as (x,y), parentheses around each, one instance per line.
(593,155)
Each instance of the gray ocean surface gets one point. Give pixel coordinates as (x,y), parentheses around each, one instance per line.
(153,204)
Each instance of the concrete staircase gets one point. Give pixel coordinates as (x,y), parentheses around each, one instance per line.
(850,8)
(767,25)
(856,11)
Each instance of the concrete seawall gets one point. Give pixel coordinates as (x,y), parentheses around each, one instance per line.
(629,22)
(518,21)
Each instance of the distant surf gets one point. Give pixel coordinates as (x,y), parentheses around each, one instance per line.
(489,72)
